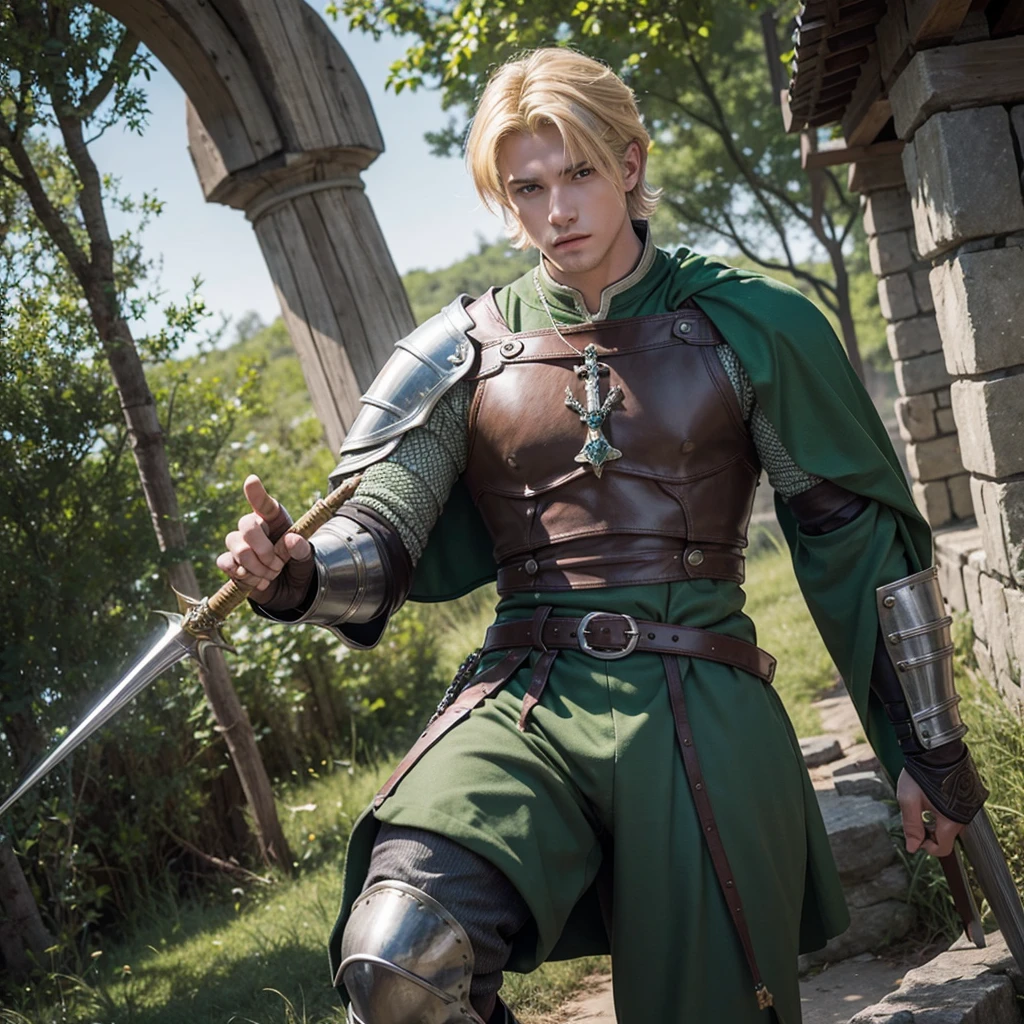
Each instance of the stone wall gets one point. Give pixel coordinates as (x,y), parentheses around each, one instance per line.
(964,133)
(923,410)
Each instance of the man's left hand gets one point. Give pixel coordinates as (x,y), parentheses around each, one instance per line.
(936,838)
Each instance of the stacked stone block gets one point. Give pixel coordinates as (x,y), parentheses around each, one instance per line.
(923,412)
(963,171)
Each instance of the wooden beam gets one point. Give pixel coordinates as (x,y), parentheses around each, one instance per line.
(935,19)
(848,59)
(840,152)
(868,108)
(1008,21)
(871,175)
(893,37)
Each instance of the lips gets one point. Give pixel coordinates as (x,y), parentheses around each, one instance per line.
(569,239)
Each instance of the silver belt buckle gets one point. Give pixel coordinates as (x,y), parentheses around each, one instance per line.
(633,633)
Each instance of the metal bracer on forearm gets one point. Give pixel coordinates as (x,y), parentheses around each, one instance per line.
(918,663)
(361,577)
(916,632)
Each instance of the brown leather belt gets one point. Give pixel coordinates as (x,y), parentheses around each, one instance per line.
(609,635)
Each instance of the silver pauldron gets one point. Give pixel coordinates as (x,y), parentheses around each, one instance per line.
(917,640)
(405,958)
(350,578)
(425,365)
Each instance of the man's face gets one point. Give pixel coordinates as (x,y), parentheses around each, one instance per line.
(572,214)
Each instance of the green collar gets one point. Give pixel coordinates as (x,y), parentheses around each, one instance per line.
(567,303)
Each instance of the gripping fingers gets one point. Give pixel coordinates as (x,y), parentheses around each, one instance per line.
(923,827)
(254,555)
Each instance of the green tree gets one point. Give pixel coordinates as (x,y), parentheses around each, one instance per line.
(78,579)
(493,263)
(68,72)
(702,80)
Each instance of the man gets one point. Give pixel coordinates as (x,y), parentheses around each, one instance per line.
(616,772)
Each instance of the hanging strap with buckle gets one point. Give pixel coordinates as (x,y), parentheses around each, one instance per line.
(709,828)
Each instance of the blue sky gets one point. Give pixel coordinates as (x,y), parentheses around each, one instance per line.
(426,206)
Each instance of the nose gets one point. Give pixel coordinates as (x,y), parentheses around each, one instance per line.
(561,210)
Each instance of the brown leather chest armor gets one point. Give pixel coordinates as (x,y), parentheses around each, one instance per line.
(675,506)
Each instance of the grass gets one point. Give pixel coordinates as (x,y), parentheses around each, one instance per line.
(257,954)
(253,955)
(785,629)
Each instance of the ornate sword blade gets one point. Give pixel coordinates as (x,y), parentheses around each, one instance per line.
(989,863)
(169,649)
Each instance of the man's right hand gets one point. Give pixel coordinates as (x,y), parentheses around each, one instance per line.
(261,550)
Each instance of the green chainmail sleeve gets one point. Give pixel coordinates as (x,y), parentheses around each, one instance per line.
(409,487)
(784,474)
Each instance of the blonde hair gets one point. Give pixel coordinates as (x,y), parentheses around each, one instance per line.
(594,111)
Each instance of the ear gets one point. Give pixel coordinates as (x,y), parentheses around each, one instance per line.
(633,163)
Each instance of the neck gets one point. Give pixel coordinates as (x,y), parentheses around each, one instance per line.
(620,259)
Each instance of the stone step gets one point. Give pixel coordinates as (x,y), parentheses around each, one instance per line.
(964,985)
(819,750)
(858,832)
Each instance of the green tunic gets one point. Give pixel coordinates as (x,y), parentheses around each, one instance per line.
(597,773)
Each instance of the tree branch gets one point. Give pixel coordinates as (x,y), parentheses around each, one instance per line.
(90,199)
(11,176)
(733,236)
(119,59)
(41,205)
(217,862)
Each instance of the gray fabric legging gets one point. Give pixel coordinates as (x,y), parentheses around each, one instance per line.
(470,888)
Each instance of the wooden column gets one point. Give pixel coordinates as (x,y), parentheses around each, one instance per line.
(280,126)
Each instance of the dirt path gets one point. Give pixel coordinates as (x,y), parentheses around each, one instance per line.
(831,997)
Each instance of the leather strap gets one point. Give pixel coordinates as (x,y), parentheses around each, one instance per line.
(610,633)
(691,764)
(488,682)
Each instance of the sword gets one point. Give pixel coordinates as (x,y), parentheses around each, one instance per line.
(190,634)
(996,883)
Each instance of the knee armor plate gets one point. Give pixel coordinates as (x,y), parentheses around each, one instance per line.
(405,960)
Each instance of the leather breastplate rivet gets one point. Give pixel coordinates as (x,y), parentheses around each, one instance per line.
(531,567)
(695,557)
(510,349)
(683,327)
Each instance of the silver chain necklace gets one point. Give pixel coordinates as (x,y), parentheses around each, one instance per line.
(547,309)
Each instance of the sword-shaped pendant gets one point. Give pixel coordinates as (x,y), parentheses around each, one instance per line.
(597,451)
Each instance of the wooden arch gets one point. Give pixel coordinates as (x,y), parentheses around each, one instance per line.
(280,126)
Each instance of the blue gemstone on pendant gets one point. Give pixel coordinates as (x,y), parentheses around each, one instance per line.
(596,451)
(594,420)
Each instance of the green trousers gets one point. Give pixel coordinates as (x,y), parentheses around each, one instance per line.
(597,779)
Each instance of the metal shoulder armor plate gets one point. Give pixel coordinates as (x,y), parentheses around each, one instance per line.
(425,365)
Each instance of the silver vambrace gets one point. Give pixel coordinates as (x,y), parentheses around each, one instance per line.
(404,959)
(351,582)
(918,642)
